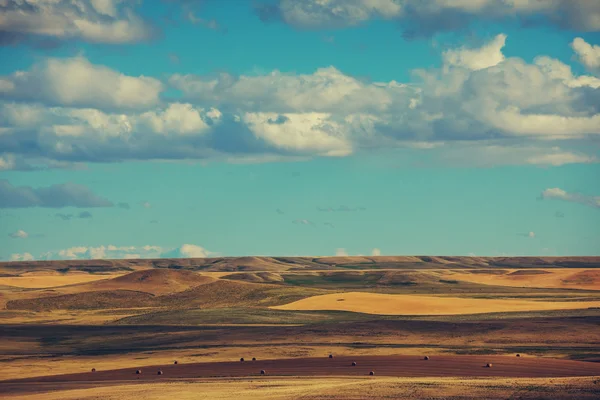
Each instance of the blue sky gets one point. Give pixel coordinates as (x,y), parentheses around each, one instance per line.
(288,127)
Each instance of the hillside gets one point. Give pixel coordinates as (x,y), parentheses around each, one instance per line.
(274,264)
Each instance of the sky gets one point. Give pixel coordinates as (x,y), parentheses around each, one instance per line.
(204,128)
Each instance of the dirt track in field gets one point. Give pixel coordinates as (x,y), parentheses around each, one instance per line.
(396,366)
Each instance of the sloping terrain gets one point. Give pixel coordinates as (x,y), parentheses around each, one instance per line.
(157,288)
(396,304)
(230,264)
(155,281)
(573,278)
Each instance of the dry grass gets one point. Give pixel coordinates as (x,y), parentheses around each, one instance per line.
(47,281)
(571,278)
(392,304)
(340,388)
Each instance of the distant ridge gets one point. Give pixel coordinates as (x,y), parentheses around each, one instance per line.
(255,264)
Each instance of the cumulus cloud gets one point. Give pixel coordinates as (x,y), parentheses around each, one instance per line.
(109,252)
(560,194)
(77,82)
(97,21)
(421,18)
(376,252)
(54,196)
(341,253)
(477,58)
(188,251)
(477,100)
(21,257)
(588,54)
(20,234)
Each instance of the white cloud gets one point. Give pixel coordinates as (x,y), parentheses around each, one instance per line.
(560,194)
(179,119)
(423,18)
(495,153)
(75,82)
(312,133)
(477,58)
(478,100)
(588,54)
(7,162)
(557,159)
(193,251)
(531,234)
(375,252)
(335,13)
(101,21)
(21,257)
(126,252)
(341,253)
(20,234)
(325,90)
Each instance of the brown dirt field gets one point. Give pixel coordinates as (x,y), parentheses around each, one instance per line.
(335,388)
(391,366)
(397,304)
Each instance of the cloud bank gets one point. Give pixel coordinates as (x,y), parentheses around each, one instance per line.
(117,252)
(423,18)
(478,101)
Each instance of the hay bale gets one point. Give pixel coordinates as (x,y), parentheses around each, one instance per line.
(138,371)
(175,362)
(262,372)
(253,358)
(93,369)
(426,358)
(242,359)
(488,365)
(159,372)
(354,363)
(518,355)
(371,373)
(331,356)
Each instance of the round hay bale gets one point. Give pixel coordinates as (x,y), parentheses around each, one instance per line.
(518,355)
(253,358)
(242,359)
(138,371)
(488,365)
(426,358)
(331,356)
(175,362)
(93,369)
(159,372)
(371,373)
(262,372)
(354,363)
